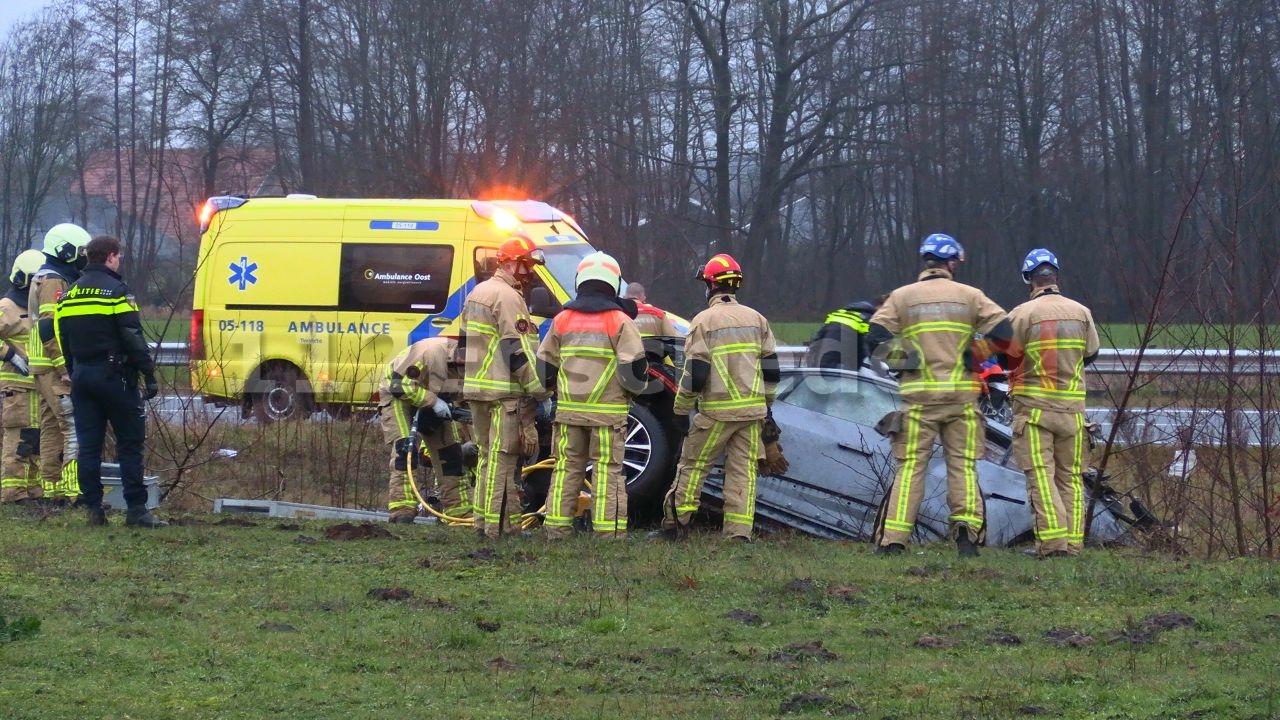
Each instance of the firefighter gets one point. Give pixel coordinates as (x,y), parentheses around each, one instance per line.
(730,371)
(19,474)
(499,372)
(1054,338)
(64,258)
(594,361)
(935,320)
(841,341)
(424,375)
(651,321)
(101,333)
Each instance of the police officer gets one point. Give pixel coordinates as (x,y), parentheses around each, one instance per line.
(594,360)
(19,474)
(101,336)
(935,320)
(730,371)
(64,258)
(424,375)
(840,342)
(499,371)
(1054,338)
(650,320)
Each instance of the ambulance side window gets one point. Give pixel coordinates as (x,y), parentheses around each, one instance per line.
(486,263)
(395,278)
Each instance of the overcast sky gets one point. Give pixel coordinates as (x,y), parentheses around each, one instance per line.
(15,11)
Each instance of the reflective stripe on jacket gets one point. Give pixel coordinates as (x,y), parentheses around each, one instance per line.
(590,348)
(938,317)
(495,311)
(731,338)
(424,371)
(15,327)
(47,288)
(1052,335)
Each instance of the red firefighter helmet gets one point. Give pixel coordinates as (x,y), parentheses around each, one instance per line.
(722,270)
(519,247)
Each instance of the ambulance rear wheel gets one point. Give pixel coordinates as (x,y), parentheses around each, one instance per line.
(282,393)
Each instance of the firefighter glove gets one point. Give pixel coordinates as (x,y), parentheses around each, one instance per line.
(680,423)
(769,431)
(19,363)
(150,387)
(774,462)
(441,409)
(397,389)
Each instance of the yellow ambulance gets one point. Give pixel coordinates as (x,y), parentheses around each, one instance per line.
(300,301)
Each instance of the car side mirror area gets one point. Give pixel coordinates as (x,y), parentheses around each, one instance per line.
(542,304)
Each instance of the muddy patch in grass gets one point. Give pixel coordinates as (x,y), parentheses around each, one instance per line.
(277,627)
(801,585)
(799,652)
(935,642)
(1066,637)
(235,522)
(393,594)
(363,531)
(746,617)
(500,664)
(483,555)
(1003,637)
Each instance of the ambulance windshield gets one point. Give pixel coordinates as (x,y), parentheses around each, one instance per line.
(562,263)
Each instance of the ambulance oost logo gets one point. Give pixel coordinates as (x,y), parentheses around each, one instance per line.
(242,273)
(368,274)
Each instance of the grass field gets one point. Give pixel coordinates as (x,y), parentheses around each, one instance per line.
(212,619)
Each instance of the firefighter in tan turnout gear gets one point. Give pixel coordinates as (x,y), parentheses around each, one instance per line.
(19,474)
(650,320)
(64,251)
(1054,338)
(594,360)
(935,320)
(426,375)
(730,371)
(500,341)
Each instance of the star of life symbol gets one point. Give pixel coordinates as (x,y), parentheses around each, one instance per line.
(242,273)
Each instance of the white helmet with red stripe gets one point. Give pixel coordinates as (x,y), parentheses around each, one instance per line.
(599,266)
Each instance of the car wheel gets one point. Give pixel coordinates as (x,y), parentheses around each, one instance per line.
(282,393)
(647,460)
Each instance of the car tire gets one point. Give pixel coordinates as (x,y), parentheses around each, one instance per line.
(648,457)
(282,393)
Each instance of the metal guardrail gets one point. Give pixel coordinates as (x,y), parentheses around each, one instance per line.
(1110,361)
(1156,361)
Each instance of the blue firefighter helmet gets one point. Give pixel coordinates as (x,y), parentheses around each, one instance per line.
(941,247)
(1036,258)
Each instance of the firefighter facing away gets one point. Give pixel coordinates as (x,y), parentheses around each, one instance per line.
(499,373)
(425,375)
(934,321)
(650,320)
(64,258)
(1054,338)
(841,341)
(731,369)
(101,334)
(594,360)
(19,473)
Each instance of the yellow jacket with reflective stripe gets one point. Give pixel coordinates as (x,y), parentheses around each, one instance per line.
(15,327)
(433,376)
(731,338)
(1052,335)
(938,317)
(590,348)
(495,311)
(47,288)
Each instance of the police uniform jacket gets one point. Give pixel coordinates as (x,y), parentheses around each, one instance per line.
(735,348)
(500,341)
(423,372)
(936,319)
(15,328)
(97,321)
(595,352)
(1053,337)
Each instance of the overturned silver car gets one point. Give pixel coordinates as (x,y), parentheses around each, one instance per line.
(841,468)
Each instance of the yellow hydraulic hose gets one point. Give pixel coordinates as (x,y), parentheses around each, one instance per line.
(527,520)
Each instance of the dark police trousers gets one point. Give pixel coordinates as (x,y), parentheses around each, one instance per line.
(103,392)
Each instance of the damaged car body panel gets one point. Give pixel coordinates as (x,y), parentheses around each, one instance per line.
(841,468)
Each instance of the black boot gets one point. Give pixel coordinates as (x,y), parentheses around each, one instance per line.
(891,549)
(97,516)
(142,517)
(964,546)
(674,533)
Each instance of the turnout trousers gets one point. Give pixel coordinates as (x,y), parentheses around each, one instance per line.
(497,435)
(59,448)
(740,442)
(574,447)
(104,393)
(1049,446)
(444,447)
(19,474)
(961,430)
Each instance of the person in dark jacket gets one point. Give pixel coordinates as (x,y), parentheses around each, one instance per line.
(100,334)
(841,341)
